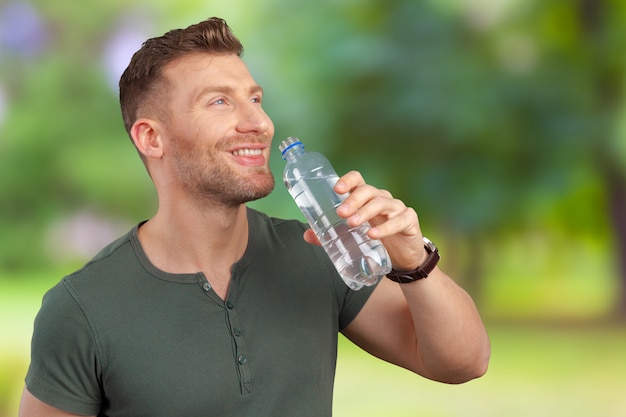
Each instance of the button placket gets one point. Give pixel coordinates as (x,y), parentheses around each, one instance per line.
(207,289)
(240,351)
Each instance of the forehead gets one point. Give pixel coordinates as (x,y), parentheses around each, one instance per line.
(205,70)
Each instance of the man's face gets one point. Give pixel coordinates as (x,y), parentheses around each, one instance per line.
(218,136)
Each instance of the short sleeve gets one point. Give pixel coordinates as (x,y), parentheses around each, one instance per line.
(64,369)
(353,302)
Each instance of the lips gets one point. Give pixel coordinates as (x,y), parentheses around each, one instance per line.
(250,155)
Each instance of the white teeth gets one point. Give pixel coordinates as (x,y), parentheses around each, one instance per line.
(247,152)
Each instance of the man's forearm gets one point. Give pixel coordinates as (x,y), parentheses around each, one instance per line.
(451,338)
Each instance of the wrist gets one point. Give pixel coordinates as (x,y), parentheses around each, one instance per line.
(423,270)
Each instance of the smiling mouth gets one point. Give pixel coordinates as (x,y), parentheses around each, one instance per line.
(247,152)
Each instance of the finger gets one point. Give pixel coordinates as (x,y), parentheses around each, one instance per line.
(390,213)
(311,237)
(367,202)
(404,222)
(348,182)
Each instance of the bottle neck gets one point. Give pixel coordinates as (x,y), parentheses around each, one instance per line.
(293,152)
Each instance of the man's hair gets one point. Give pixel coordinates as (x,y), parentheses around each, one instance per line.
(140,82)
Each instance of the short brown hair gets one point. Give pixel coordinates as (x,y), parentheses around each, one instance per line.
(141,77)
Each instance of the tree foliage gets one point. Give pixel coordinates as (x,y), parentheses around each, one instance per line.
(490,119)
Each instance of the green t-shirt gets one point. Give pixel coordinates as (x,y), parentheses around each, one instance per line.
(122,338)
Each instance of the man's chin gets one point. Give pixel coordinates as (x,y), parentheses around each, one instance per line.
(263,190)
(257,188)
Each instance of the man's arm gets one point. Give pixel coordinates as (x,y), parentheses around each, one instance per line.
(430,326)
(31,406)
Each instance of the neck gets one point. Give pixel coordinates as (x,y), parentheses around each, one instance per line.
(188,239)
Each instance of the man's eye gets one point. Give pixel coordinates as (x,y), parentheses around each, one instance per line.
(256,100)
(219,101)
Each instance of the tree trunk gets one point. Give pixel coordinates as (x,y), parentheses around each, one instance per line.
(616,182)
(609,92)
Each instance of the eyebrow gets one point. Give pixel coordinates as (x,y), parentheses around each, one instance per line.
(225,90)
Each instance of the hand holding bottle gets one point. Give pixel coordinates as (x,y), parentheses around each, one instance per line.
(391,221)
(310,179)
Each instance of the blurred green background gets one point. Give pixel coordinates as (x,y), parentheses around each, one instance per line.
(500,121)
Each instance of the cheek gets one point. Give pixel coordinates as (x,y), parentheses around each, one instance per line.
(184,139)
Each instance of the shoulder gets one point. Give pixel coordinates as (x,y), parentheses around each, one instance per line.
(114,252)
(63,300)
(101,275)
(113,270)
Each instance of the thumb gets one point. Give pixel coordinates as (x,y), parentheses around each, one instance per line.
(310,237)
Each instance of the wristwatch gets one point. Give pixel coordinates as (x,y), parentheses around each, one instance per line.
(422,271)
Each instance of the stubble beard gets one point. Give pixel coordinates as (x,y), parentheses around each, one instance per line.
(209,180)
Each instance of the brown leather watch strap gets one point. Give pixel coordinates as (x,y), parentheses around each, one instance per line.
(422,271)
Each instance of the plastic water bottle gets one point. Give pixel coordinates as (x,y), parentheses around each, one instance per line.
(310,179)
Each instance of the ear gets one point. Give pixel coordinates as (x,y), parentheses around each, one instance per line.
(147,138)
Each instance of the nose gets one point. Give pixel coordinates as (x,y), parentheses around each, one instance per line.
(253,119)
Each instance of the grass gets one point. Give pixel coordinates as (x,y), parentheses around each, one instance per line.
(536,370)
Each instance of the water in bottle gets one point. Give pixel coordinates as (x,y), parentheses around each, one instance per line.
(310,179)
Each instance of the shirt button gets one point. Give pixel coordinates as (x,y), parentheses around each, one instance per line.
(206,286)
(230,305)
(242,359)
(237,331)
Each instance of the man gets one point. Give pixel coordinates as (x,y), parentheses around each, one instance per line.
(211,308)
